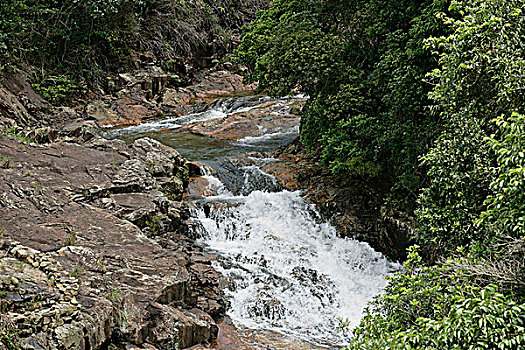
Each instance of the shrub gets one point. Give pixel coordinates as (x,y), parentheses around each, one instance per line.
(81,38)
(430,308)
(362,64)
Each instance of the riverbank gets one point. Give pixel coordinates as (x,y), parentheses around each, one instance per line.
(109,218)
(94,252)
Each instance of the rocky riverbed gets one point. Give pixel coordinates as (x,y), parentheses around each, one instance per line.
(93,249)
(92,239)
(94,243)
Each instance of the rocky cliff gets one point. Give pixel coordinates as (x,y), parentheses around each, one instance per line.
(93,251)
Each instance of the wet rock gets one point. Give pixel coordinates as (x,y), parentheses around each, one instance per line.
(196,169)
(253,123)
(178,101)
(286,173)
(199,187)
(210,86)
(180,329)
(220,83)
(133,96)
(205,273)
(131,100)
(101,111)
(239,338)
(75,257)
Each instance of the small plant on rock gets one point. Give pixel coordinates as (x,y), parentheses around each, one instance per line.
(8,335)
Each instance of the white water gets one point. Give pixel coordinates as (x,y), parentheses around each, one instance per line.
(271,136)
(286,270)
(169,123)
(222,110)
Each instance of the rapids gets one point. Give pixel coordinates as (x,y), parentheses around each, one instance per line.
(285,268)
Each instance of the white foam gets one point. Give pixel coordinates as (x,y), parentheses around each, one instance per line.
(215,186)
(168,123)
(290,272)
(270,136)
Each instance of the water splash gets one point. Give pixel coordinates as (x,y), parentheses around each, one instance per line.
(286,269)
(287,134)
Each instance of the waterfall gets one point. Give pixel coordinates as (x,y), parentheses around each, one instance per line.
(286,269)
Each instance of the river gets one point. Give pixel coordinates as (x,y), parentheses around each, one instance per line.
(289,278)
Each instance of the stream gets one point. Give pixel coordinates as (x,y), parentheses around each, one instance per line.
(288,276)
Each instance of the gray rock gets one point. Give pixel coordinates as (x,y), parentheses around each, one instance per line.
(85,270)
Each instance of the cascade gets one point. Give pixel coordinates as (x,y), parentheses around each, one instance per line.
(285,269)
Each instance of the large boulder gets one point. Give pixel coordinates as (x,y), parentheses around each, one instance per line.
(127,108)
(92,250)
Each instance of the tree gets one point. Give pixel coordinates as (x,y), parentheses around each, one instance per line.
(480,77)
(362,64)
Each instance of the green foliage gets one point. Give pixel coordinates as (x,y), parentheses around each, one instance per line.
(480,77)
(460,174)
(79,39)
(505,212)
(474,204)
(49,34)
(115,297)
(16,134)
(5,161)
(155,224)
(9,339)
(427,308)
(417,292)
(290,46)
(56,89)
(77,272)
(479,319)
(362,64)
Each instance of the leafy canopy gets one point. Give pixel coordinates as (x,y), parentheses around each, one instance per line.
(362,63)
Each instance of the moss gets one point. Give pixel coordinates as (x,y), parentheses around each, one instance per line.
(9,337)
(154,224)
(16,134)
